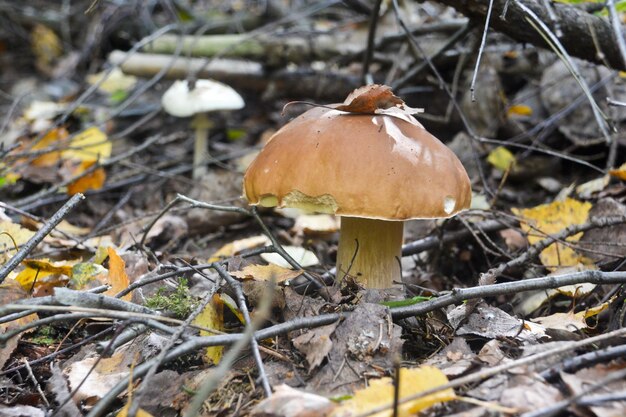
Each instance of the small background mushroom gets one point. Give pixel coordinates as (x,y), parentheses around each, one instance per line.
(204,96)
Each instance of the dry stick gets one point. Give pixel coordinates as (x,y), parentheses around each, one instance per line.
(584,361)
(141,392)
(453,40)
(617,29)
(480,50)
(490,276)
(366,76)
(487,373)
(458,295)
(39,236)
(241,302)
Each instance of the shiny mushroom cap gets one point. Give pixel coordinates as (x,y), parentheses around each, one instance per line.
(365,158)
(207,95)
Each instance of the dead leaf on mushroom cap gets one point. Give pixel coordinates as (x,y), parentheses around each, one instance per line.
(375,99)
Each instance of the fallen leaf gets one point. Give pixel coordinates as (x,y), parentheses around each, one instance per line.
(501,158)
(212,317)
(315,344)
(381,392)
(233,248)
(589,188)
(54,137)
(290,402)
(12,236)
(571,321)
(267,273)
(89,145)
(84,273)
(302,256)
(37,269)
(92,181)
(114,82)
(370,98)
(548,219)
(117,278)
(43,110)
(619,172)
(140,412)
(519,110)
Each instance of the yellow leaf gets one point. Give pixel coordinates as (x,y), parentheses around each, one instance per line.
(140,412)
(266,273)
(89,145)
(501,158)
(118,279)
(619,172)
(11,235)
(519,110)
(380,393)
(85,272)
(37,269)
(212,317)
(116,81)
(548,219)
(92,181)
(53,138)
(232,306)
(233,248)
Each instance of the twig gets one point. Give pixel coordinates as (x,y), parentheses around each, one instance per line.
(480,50)
(617,29)
(39,236)
(561,405)
(584,361)
(241,303)
(366,76)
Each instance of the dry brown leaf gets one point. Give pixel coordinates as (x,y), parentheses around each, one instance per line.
(370,98)
(267,273)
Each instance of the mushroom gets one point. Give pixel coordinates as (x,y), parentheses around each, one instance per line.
(205,96)
(370,162)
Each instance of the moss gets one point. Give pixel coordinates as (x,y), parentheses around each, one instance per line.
(179,302)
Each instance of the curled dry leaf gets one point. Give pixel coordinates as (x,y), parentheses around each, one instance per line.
(374,99)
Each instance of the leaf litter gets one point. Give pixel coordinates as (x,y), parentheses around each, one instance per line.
(340,346)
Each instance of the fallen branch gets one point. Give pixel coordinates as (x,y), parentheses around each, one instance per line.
(39,236)
(582,33)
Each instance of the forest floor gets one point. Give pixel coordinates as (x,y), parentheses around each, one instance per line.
(135,277)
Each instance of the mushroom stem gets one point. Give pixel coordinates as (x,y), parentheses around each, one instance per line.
(201,156)
(376,262)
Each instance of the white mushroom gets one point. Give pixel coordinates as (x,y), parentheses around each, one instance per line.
(206,96)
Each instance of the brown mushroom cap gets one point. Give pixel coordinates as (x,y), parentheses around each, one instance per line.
(378,166)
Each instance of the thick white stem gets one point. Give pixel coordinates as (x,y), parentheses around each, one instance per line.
(375,260)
